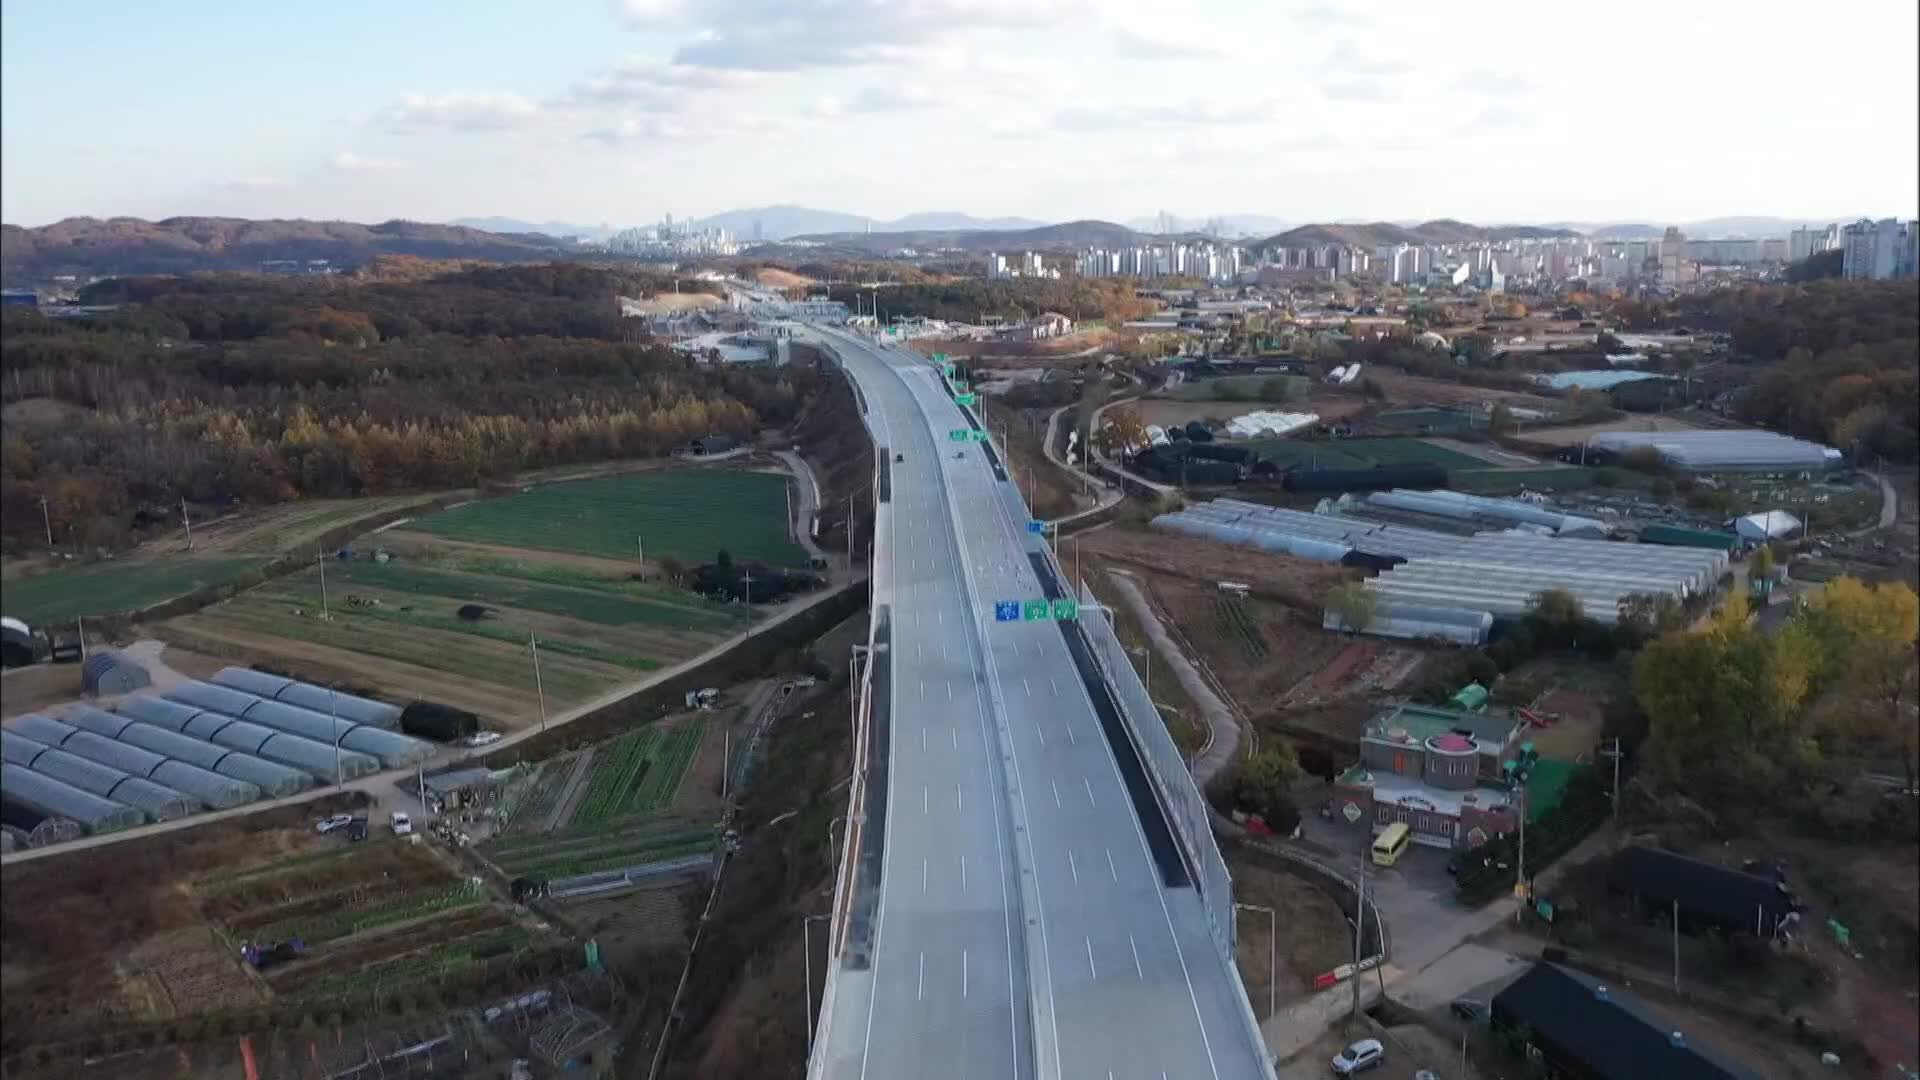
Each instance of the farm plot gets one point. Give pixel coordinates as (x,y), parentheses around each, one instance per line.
(372,916)
(590,851)
(1360,453)
(1236,622)
(639,773)
(299,526)
(689,515)
(116,587)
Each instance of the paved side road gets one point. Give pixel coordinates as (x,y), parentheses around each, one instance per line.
(1223,731)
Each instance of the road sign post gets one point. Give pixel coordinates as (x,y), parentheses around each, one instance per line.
(1065,609)
(959,435)
(1006,611)
(1037,611)
(966,399)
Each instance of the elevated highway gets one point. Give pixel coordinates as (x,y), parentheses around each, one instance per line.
(1013,902)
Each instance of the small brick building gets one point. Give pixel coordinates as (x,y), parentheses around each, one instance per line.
(1442,771)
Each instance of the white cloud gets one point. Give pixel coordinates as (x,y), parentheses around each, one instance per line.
(460,112)
(352,162)
(1495,83)
(651,84)
(1367,91)
(826,107)
(791,35)
(1163,43)
(1192,114)
(254,183)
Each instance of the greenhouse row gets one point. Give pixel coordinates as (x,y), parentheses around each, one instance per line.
(393,749)
(308,696)
(1724,451)
(273,780)
(55,800)
(1394,619)
(318,759)
(1453,504)
(154,800)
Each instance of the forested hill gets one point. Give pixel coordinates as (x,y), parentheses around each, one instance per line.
(1442,231)
(92,246)
(247,389)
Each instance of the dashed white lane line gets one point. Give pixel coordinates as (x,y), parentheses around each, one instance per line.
(1042,730)
(920,994)
(1137,969)
(949,691)
(959,799)
(953,734)
(1090,799)
(963,873)
(1055,683)
(1073,866)
(963,976)
(1111,869)
(1092,968)
(923,876)
(923,740)
(924,800)
(1028,685)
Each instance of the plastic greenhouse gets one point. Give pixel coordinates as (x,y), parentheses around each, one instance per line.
(352,707)
(211,788)
(45,795)
(273,779)
(392,748)
(157,711)
(157,801)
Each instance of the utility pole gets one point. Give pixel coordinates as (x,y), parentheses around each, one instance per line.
(726,760)
(1359,922)
(640,545)
(325,616)
(188,522)
(334,717)
(1615,755)
(47,520)
(533,644)
(80,628)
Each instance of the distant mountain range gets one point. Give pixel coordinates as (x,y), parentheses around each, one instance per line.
(1224,225)
(1443,231)
(776,223)
(1706,228)
(91,246)
(545,228)
(1065,236)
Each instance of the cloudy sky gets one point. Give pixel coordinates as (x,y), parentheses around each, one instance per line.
(588,111)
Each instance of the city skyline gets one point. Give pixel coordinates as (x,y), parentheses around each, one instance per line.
(1052,109)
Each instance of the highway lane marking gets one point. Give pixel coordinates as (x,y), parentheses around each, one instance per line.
(923,740)
(923,800)
(959,799)
(954,734)
(1070,736)
(1028,685)
(963,973)
(923,876)
(1073,866)
(1111,869)
(923,691)
(1090,799)
(920,994)
(1042,729)
(949,691)
(1055,683)
(1137,969)
(1091,967)
(1056,791)
(919,653)
(963,873)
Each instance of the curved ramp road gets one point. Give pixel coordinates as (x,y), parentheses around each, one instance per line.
(1022,926)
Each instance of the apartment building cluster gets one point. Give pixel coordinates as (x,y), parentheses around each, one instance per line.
(1880,250)
(669,239)
(1206,261)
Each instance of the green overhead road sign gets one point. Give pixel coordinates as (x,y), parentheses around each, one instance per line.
(1037,610)
(966,399)
(978,436)
(959,434)
(941,358)
(1064,608)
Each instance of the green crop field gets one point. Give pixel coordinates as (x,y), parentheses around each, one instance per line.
(1359,453)
(296,527)
(690,515)
(639,773)
(603,606)
(114,587)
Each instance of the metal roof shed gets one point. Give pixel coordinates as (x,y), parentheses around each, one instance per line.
(273,779)
(45,795)
(113,673)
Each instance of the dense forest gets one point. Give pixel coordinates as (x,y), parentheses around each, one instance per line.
(225,389)
(1840,359)
(969,301)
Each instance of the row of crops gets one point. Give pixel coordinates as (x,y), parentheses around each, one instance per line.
(591,854)
(410,970)
(353,919)
(640,773)
(1230,614)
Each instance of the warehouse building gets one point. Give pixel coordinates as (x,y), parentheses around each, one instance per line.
(1583,1029)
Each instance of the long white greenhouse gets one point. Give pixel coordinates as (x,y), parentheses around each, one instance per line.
(157,801)
(392,748)
(1416,621)
(316,758)
(214,789)
(272,779)
(308,696)
(45,795)
(1725,451)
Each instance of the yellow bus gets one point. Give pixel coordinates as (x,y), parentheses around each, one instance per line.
(1392,840)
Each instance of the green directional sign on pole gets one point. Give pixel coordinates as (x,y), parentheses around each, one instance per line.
(1065,608)
(959,435)
(966,399)
(978,436)
(941,358)
(1037,610)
